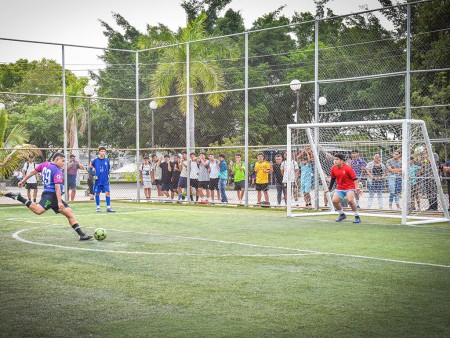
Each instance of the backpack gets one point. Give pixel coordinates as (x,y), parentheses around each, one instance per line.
(28,165)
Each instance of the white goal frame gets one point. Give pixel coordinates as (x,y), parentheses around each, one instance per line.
(312,131)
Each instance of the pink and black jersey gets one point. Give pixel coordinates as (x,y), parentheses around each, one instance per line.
(51,175)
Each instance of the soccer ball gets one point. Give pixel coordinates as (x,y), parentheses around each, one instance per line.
(100,234)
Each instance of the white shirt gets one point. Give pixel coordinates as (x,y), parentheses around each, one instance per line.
(28,168)
(146,171)
(194,170)
(157,171)
(213,170)
(183,168)
(294,167)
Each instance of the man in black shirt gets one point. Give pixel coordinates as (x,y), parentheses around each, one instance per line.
(176,171)
(166,178)
(278,172)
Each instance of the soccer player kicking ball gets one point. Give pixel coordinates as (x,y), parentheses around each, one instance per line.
(347,186)
(52,178)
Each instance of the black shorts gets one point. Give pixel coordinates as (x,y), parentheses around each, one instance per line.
(157,182)
(166,186)
(194,183)
(203,184)
(214,184)
(262,187)
(50,201)
(239,185)
(30,186)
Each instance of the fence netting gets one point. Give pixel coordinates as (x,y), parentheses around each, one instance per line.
(224,95)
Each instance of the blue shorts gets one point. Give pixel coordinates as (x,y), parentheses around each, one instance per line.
(72,182)
(101,188)
(343,193)
(305,186)
(182,182)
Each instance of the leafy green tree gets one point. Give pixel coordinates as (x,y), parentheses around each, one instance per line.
(12,146)
(429,50)
(118,80)
(169,77)
(210,8)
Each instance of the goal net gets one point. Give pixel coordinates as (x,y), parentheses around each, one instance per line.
(393,160)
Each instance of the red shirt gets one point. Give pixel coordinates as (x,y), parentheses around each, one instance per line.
(345,177)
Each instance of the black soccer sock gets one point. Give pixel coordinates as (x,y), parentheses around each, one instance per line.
(77,228)
(25,201)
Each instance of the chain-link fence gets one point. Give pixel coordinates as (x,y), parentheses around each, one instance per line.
(223,95)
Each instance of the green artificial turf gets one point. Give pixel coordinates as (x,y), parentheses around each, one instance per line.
(199,271)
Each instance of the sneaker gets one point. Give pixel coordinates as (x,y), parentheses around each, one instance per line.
(110,210)
(85,237)
(98,209)
(341,217)
(12,195)
(357,219)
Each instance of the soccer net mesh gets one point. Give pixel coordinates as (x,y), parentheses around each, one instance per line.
(393,160)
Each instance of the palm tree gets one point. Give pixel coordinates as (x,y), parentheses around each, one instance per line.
(13,149)
(75,111)
(170,73)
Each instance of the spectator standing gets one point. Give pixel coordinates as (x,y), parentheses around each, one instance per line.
(176,171)
(203,178)
(223,177)
(17,177)
(428,182)
(305,159)
(195,170)
(358,165)
(156,174)
(446,169)
(293,174)
(145,173)
(414,171)
(376,173)
(262,169)
(213,177)
(278,171)
(72,171)
(394,167)
(238,169)
(182,181)
(31,183)
(166,176)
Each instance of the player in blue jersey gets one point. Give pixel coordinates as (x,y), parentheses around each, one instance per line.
(51,198)
(100,167)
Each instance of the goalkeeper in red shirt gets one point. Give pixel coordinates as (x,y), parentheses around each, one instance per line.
(347,186)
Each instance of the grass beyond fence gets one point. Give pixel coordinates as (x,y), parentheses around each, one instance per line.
(180,271)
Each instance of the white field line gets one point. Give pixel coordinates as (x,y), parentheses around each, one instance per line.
(304,252)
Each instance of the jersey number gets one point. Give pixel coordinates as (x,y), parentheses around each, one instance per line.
(46,176)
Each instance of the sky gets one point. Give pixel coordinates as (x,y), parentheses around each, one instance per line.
(77,22)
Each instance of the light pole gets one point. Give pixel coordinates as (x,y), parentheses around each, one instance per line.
(153,105)
(322,103)
(295,86)
(89,91)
